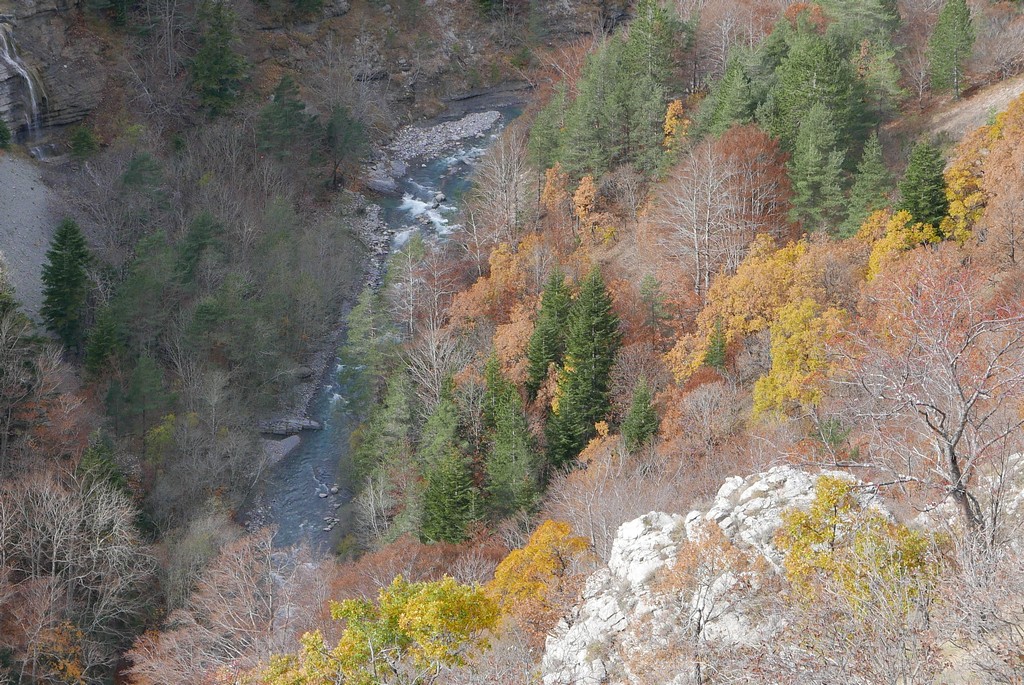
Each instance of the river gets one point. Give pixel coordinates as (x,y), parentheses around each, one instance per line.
(307,495)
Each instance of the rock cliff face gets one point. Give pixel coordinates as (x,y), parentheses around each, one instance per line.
(625,615)
(56,55)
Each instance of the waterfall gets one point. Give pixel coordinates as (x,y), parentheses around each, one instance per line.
(31,84)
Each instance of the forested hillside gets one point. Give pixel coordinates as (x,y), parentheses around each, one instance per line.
(716,242)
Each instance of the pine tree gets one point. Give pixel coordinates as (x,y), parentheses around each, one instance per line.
(65,283)
(440,432)
(546,133)
(449,500)
(511,463)
(103,343)
(217,70)
(923,188)
(284,124)
(547,343)
(5,135)
(584,379)
(641,422)
(816,170)
(368,339)
(385,435)
(345,139)
(146,399)
(814,72)
(716,357)
(730,102)
(870,188)
(950,46)
(652,35)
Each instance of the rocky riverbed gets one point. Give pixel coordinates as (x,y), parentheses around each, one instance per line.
(415,142)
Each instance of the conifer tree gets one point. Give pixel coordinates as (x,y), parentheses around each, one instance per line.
(449,500)
(511,463)
(367,341)
(730,102)
(284,124)
(440,432)
(950,46)
(816,170)
(146,399)
(871,186)
(65,283)
(217,70)
(546,132)
(547,343)
(584,379)
(385,435)
(641,422)
(814,72)
(345,139)
(923,188)
(103,342)
(715,357)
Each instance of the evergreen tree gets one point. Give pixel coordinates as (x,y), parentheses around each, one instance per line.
(511,463)
(816,171)
(715,357)
(284,124)
(203,235)
(345,139)
(730,101)
(653,33)
(440,432)
(653,301)
(641,422)
(814,72)
(584,379)
(385,435)
(546,133)
(146,399)
(871,186)
(5,135)
(449,500)
(103,343)
(923,188)
(950,46)
(591,138)
(97,464)
(65,283)
(368,340)
(217,70)
(547,343)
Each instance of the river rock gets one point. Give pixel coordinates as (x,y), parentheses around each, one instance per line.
(276,450)
(382,183)
(334,490)
(440,197)
(288,426)
(322,495)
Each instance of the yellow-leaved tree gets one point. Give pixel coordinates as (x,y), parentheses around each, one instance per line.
(862,590)
(531,583)
(749,301)
(799,363)
(891,235)
(838,544)
(407,637)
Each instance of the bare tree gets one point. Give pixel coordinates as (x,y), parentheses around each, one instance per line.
(936,374)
